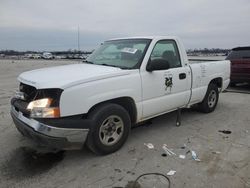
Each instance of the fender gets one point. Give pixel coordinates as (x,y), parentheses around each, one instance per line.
(80,98)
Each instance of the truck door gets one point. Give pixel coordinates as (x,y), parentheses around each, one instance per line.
(165,90)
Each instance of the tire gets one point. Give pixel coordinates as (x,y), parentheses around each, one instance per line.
(110,129)
(210,100)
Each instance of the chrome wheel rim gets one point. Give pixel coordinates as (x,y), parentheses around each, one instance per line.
(111,130)
(212,99)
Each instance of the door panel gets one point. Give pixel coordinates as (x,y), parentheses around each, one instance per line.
(165,90)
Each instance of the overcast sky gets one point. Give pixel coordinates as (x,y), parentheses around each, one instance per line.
(52,24)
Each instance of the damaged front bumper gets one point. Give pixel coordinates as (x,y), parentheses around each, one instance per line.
(49,136)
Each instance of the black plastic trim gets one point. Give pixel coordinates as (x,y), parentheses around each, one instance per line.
(76,121)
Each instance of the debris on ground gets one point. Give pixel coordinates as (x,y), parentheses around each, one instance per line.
(149,145)
(182,156)
(164,155)
(194,156)
(136,184)
(225,131)
(171,172)
(167,150)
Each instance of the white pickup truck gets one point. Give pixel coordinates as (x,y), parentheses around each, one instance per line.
(124,82)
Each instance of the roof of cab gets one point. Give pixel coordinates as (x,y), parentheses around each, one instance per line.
(146,37)
(241,48)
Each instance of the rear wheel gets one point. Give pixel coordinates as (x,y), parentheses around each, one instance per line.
(210,100)
(110,129)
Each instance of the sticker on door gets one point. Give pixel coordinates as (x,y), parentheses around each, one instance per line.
(168,83)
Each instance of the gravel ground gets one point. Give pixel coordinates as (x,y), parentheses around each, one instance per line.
(224,158)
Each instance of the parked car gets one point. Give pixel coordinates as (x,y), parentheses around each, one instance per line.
(240,65)
(124,82)
(47,55)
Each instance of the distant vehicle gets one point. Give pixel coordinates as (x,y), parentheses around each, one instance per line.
(47,55)
(240,65)
(28,56)
(36,56)
(60,57)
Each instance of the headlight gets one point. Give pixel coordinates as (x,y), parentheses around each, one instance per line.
(41,109)
(41,103)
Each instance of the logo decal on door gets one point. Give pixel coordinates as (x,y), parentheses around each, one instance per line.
(168,82)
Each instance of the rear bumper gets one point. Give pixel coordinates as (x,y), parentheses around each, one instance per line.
(49,136)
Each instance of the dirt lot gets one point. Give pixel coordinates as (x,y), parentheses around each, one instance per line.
(225,158)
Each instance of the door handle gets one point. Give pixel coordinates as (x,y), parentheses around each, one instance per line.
(182,76)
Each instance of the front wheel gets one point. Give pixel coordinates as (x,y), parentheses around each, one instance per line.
(110,129)
(210,100)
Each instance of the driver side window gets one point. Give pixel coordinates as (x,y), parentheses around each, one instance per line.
(167,50)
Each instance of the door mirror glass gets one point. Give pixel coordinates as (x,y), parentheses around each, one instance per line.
(157,64)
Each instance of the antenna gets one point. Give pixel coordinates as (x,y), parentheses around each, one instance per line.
(78,39)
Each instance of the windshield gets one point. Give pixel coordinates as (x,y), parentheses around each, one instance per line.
(124,53)
(239,54)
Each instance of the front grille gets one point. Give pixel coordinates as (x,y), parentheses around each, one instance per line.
(21,106)
(29,91)
(31,94)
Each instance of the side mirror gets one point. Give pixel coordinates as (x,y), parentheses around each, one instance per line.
(157,64)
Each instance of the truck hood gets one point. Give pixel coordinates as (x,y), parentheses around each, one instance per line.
(68,75)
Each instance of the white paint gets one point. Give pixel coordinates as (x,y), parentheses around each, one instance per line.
(86,85)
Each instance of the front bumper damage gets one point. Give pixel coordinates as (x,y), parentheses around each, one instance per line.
(47,135)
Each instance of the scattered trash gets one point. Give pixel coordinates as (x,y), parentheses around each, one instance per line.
(216,152)
(184,146)
(168,151)
(149,145)
(171,172)
(225,131)
(164,155)
(136,184)
(194,156)
(182,156)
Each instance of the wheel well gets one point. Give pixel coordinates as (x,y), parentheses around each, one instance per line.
(217,82)
(126,102)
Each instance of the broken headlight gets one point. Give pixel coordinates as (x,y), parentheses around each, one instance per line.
(45,104)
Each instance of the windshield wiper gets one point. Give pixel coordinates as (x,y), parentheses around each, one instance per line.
(121,67)
(88,62)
